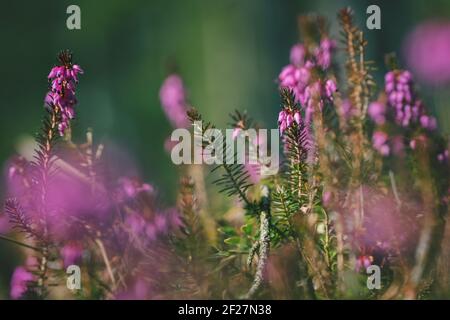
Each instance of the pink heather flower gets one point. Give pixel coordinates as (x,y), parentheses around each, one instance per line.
(379,142)
(428,122)
(377,112)
(443,156)
(296,76)
(297,56)
(173,99)
(287,118)
(330,89)
(61,97)
(298,118)
(71,253)
(296,79)
(427,51)
(19,282)
(282,120)
(402,101)
(323,53)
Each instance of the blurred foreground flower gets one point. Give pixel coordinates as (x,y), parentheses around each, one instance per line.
(19,282)
(427,50)
(173,99)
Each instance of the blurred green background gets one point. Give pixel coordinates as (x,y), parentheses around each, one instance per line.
(229,53)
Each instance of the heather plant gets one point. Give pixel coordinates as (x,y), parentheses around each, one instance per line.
(364,182)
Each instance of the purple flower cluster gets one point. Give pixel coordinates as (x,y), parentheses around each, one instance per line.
(402,108)
(173,99)
(316,89)
(61,97)
(19,282)
(380,142)
(406,108)
(443,156)
(377,111)
(286,118)
(323,53)
(297,76)
(399,87)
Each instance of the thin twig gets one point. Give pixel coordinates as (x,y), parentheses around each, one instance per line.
(394,188)
(264,243)
(20,243)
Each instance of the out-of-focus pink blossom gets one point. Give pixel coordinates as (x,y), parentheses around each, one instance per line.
(173,99)
(297,55)
(402,99)
(402,106)
(19,282)
(296,79)
(428,122)
(427,51)
(287,118)
(377,112)
(379,141)
(323,53)
(297,75)
(443,156)
(330,88)
(71,253)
